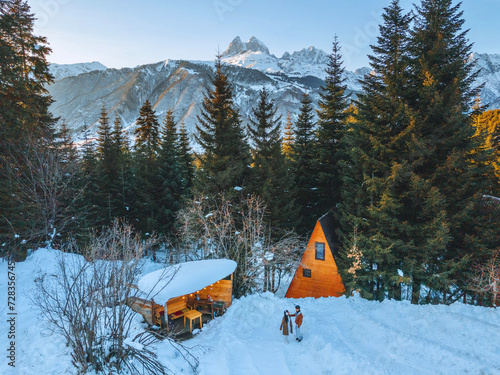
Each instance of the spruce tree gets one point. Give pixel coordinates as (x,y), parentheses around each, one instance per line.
(305,166)
(170,175)
(24,99)
(331,129)
(271,178)
(224,162)
(377,175)
(288,137)
(185,161)
(445,153)
(147,136)
(147,183)
(88,182)
(123,186)
(24,114)
(107,170)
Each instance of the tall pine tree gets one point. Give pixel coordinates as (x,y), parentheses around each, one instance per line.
(288,137)
(444,150)
(185,161)
(147,182)
(377,176)
(224,163)
(271,180)
(331,129)
(24,114)
(305,166)
(107,170)
(170,175)
(123,191)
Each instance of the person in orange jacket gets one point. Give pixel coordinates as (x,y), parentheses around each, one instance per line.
(298,322)
(284,326)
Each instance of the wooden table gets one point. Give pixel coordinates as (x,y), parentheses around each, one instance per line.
(192,315)
(204,303)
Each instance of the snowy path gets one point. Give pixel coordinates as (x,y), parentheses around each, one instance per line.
(352,336)
(341,336)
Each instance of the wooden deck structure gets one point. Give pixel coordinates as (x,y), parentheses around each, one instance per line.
(207,299)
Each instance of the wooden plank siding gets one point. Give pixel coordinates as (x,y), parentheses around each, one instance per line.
(222,290)
(149,309)
(324,280)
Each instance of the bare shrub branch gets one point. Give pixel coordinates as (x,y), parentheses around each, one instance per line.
(86,300)
(216,229)
(486,279)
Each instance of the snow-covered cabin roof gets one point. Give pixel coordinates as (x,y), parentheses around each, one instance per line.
(184,278)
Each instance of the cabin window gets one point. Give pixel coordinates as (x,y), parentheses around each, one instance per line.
(320,250)
(306,272)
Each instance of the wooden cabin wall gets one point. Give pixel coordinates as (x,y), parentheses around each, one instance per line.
(325,280)
(222,290)
(143,307)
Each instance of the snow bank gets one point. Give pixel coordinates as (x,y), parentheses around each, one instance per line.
(351,336)
(341,336)
(184,278)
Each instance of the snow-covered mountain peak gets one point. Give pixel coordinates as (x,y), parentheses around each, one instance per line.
(310,55)
(254,54)
(255,45)
(237,47)
(60,71)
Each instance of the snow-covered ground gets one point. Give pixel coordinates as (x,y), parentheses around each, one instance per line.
(341,336)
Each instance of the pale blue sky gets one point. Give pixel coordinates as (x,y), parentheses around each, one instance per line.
(122,33)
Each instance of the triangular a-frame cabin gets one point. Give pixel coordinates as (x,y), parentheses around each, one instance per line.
(317,274)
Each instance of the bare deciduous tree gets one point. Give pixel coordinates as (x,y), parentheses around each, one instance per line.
(356,256)
(86,300)
(486,278)
(215,229)
(46,188)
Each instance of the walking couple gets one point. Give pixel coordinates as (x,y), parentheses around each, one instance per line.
(298,322)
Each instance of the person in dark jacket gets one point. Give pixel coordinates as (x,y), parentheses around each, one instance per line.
(284,326)
(298,322)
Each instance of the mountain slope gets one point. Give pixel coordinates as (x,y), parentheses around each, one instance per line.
(80,90)
(179,85)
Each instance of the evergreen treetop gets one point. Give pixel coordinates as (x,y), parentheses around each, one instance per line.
(305,166)
(333,105)
(147,136)
(288,137)
(224,163)
(185,160)
(265,128)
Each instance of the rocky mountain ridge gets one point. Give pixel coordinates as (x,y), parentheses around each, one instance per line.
(80,90)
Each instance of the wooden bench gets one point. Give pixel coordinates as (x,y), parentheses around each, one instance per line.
(176,308)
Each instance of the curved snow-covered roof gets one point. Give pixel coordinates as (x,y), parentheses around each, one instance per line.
(184,278)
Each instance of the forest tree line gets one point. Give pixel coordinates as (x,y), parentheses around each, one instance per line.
(410,168)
